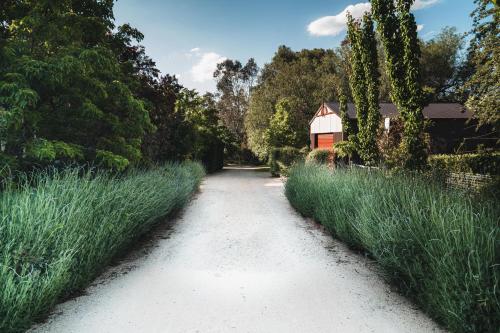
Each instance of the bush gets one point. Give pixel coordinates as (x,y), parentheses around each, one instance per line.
(440,247)
(281,159)
(483,163)
(320,156)
(59,231)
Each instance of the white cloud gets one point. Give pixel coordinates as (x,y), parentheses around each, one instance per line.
(420,4)
(334,25)
(420,27)
(195,50)
(204,69)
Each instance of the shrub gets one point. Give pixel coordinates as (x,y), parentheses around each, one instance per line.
(320,156)
(440,247)
(483,163)
(281,159)
(111,161)
(63,229)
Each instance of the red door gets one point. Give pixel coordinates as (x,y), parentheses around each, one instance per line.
(325,141)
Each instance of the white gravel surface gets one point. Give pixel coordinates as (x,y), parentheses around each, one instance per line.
(239,259)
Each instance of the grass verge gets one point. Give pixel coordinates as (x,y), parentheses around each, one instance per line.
(58,231)
(440,247)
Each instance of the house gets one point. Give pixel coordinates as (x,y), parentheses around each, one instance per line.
(448,127)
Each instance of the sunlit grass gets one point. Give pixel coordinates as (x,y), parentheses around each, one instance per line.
(59,230)
(440,247)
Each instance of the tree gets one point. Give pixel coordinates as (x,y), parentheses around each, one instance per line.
(171,140)
(347,127)
(282,127)
(234,83)
(207,136)
(357,77)
(76,89)
(64,95)
(440,65)
(305,78)
(398,31)
(364,80)
(483,87)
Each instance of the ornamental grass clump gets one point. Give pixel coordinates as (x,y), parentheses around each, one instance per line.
(59,230)
(441,247)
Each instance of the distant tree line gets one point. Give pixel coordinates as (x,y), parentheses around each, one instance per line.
(76,89)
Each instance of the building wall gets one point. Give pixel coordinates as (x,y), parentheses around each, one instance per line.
(329,123)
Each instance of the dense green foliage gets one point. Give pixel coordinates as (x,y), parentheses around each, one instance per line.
(207,137)
(398,32)
(320,156)
(483,87)
(347,126)
(76,89)
(62,82)
(282,127)
(442,67)
(310,77)
(281,159)
(439,247)
(345,150)
(306,78)
(365,83)
(234,84)
(482,163)
(63,228)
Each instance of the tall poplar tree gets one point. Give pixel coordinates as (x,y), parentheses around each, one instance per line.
(364,81)
(369,56)
(398,31)
(346,124)
(357,79)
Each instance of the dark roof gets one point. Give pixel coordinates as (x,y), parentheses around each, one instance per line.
(432,111)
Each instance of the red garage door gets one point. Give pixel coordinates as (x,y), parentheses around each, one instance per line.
(325,141)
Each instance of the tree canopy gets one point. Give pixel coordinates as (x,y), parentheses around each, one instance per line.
(74,88)
(307,78)
(483,87)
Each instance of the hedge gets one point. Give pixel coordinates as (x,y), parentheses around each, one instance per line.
(484,163)
(281,159)
(320,156)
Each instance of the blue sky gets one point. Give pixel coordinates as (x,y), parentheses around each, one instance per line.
(189,37)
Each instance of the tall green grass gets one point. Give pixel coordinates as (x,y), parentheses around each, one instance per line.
(58,231)
(440,247)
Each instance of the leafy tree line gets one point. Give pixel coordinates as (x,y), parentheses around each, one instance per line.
(293,83)
(310,77)
(381,60)
(416,78)
(74,88)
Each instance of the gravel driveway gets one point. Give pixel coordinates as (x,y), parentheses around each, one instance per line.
(239,259)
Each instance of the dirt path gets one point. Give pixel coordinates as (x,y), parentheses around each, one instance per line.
(239,259)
